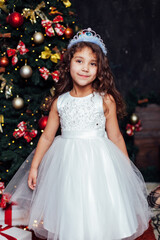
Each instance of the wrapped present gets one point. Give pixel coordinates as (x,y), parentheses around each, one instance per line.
(14,233)
(13,215)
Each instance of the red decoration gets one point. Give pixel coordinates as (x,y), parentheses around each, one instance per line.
(45,74)
(16,19)
(21,48)
(68,32)
(5,200)
(2,187)
(7,18)
(43,122)
(47,24)
(22,131)
(130,128)
(4,61)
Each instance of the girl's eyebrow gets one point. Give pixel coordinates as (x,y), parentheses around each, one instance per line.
(94,59)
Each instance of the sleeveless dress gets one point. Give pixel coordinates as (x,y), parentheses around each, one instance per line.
(86,187)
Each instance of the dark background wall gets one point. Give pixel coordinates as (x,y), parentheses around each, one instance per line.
(131,32)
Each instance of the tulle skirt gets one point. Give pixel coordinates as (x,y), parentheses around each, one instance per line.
(86,190)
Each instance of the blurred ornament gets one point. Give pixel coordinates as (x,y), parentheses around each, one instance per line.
(8,91)
(54,11)
(29,112)
(1,122)
(3,84)
(27,12)
(134,118)
(4,61)
(38,37)
(18,102)
(3,6)
(7,18)
(26,71)
(43,122)
(67,3)
(16,19)
(68,32)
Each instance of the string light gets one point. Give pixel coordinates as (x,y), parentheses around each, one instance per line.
(5,27)
(4,106)
(21,114)
(7,170)
(20,147)
(13,141)
(17,29)
(36,60)
(9,144)
(49,44)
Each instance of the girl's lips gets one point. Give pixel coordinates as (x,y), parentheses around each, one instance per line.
(81,75)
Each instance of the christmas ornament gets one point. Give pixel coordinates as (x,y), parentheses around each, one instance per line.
(4,61)
(21,48)
(54,11)
(18,102)
(1,122)
(8,91)
(3,84)
(42,122)
(38,37)
(59,29)
(23,131)
(7,18)
(5,35)
(130,129)
(44,72)
(2,187)
(2,69)
(16,19)
(68,32)
(26,71)
(3,6)
(27,12)
(48,54)
(67,3)
(134,118)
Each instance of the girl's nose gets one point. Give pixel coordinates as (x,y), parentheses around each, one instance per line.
(85,67)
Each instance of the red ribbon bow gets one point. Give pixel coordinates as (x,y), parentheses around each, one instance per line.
(44,72)
(130,129)
(4,200)
(6,235)
(1,187)
(21,48)
(47,24)
(22,131)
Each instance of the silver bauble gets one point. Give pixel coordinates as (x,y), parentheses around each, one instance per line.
(26,71)
(18,102)
(38,37)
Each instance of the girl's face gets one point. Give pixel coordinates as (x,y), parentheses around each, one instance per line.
(83,67)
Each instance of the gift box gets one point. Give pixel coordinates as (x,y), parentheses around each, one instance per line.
(14,233)
(13,215)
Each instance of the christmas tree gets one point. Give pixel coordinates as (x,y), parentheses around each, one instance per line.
(34,36)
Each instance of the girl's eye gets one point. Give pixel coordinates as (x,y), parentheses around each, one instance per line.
(79,61)
(93,64)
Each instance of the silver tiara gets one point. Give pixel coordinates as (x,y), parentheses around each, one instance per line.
(88,35)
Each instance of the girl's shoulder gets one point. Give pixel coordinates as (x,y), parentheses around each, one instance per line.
(109,104)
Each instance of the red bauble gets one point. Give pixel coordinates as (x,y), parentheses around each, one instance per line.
(42,122)
(4,61)
(68,32)
(16,19)
(7,18)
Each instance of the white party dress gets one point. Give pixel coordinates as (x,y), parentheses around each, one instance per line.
(86,187)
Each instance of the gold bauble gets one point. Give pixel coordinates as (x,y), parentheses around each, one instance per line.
(38,37)
(134,118)
(68,32)
(18,102)
(26,71)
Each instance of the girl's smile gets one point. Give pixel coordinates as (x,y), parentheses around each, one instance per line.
(83,67)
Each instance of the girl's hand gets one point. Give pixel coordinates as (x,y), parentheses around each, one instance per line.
(32,178)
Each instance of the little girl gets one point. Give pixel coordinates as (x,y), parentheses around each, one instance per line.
(82,185)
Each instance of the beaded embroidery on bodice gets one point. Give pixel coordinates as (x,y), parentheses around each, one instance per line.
(81,113)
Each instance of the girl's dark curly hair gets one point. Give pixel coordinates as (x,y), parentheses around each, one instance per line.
(104,82)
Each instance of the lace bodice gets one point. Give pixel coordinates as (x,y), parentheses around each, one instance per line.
(81,113)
